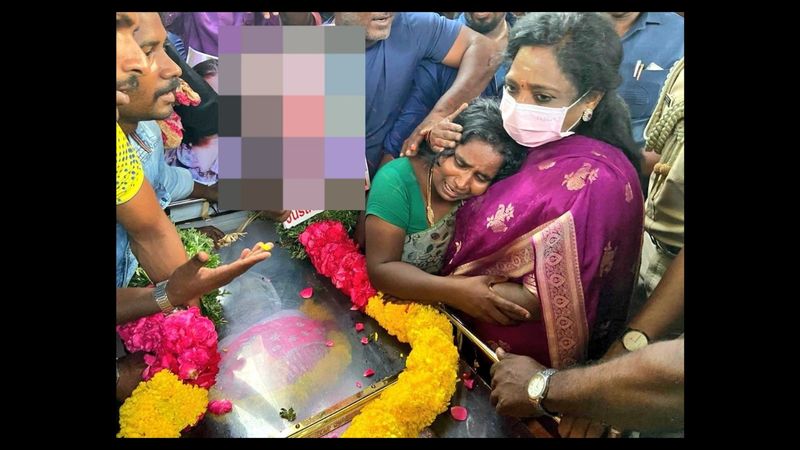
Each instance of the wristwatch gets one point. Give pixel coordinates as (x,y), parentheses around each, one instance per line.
(537,390)
(160,296)
(634,339)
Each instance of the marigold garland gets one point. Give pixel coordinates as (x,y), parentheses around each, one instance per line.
(161,407)
(424,389)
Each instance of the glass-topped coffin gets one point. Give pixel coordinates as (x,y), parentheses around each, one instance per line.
(281,351)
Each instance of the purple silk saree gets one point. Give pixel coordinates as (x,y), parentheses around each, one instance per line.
(568,226)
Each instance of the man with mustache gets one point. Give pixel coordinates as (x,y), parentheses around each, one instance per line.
(151,100)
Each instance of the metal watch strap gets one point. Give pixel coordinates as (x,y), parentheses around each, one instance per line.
(547,373)
(160,296)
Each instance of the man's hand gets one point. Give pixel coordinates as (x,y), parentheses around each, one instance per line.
(510,379)
(615,350)
(443,133)
(192,280)
(579,427)
(130,374)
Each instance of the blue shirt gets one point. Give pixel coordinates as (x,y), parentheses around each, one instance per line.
(390,67)
(431,81)
(170,183)
(657,40)
(177,42)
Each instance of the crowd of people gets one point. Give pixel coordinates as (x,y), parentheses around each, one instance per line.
(526,170)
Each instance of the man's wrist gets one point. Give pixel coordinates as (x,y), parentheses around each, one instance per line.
(161,298)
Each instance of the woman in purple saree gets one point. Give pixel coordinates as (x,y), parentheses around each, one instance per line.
(568,226)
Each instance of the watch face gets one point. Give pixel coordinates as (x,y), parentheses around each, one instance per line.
(536,386)
(634,340)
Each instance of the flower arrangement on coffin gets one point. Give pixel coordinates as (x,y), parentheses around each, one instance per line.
(181,355)
(183,342)
(425,387)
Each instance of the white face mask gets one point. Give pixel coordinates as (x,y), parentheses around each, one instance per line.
(534,125)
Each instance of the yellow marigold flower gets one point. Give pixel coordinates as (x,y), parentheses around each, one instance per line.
(161,407)
(423,390)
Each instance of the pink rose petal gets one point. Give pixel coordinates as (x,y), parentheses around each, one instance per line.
(359,326)
(364,340)
(307,292)
(358,384)
(369,373)
(466,375)
(459,413)
(469,383)
(329,343)
(354,308)
(220,406)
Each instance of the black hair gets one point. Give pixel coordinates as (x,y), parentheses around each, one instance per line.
(482,120)
(589,52)
(207,67)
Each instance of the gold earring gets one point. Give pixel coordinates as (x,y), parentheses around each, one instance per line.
(587,114)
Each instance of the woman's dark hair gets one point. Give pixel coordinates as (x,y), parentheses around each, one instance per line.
(589,52)
(482,121)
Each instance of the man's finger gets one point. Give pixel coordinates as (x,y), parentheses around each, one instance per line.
(501,354)
(458,111)
(453,136)
(411,144)
(198,260)
(579,428)
(596,430)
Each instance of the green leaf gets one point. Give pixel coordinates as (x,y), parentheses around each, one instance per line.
(288,414)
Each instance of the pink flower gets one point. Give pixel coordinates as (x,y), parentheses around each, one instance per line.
(369,373)
(459,413)
(307,292)
(469,383)
(364,340)
(220,406)
(187,346)
(143,334)
(359,326)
